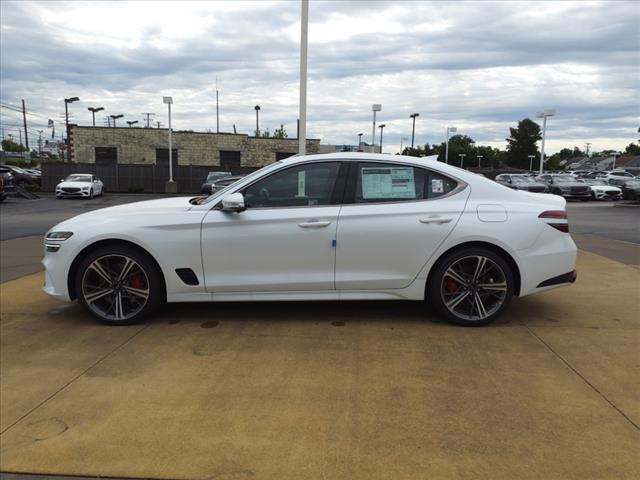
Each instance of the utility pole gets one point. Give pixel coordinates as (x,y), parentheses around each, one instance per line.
(20,132)
(257,109)
(413,129)
(159,124)
(217,108)
(381,127)
(24,119)
(40,142)
(587,145)
(148,114)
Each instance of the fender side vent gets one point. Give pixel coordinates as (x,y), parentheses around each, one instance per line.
(187,276)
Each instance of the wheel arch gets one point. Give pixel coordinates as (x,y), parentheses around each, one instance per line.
(71,284)
(480,244)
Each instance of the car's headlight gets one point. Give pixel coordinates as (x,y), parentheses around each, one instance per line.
(85,188)
(58,236)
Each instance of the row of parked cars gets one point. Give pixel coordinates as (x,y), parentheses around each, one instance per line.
(613,185)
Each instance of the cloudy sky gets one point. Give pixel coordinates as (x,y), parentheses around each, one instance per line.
(479,66)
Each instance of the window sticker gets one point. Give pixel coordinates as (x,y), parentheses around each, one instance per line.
(437,185)
(388,182)
(302,177)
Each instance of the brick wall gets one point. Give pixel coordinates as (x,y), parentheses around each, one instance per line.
(138,146)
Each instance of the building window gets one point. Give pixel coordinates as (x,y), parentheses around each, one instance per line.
(283,155)
(230,161)
(106,155)
(162,156)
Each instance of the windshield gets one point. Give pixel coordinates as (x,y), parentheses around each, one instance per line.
(523,179)
(248,177)
(564,179)
(78,178)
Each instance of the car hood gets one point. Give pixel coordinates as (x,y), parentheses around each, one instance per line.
(161,206)
(74,184)
(569,184)
(604,188)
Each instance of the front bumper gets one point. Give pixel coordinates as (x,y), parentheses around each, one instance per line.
(56,272)
(608,195)
(80,194)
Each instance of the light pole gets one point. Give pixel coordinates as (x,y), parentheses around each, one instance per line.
(170,186)
(130,123)
(413,129)
(67,101)
(302,115)
(360,141)
(257,109)
(615,155)
(382,125)
(114,118)
(544,114)
(531,157)
(93,113)
(479,159)
(376,107)
(462,155)
(446,148)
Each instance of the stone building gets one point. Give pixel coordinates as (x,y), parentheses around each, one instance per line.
(148,146)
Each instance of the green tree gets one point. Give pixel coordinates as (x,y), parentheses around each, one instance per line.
(633,149)
(266,134)
(458,144)
(280,132)
(522,143)
(419,151)
(11,146)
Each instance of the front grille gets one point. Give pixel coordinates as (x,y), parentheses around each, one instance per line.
(612,193)
(579,190)
(70,189)
(536,189)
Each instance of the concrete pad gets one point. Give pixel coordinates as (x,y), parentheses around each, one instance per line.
(20,257)
(357,390)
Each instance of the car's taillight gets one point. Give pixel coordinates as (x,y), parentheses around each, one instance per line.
(556,219)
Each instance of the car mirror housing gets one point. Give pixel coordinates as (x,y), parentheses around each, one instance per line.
(233,202)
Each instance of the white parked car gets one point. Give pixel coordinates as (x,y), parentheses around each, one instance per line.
(343,226)
(601,190)
(82,185)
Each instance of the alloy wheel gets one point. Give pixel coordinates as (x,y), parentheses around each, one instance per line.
(473,288)
(115,287)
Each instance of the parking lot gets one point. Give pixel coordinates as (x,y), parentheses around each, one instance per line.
(325,390)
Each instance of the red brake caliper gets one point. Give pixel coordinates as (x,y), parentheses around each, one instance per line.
(137,281)
(452,286)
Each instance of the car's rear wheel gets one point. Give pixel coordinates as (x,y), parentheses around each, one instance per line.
(471,287)
(119,285)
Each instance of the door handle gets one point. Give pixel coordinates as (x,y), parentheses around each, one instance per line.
(314,224)
(435,219)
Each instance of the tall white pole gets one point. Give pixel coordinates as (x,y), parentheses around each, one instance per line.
(544,131)
(304,27)
(446,148)
(170,148)
(373,132)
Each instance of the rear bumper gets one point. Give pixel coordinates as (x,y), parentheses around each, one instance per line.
(565,278)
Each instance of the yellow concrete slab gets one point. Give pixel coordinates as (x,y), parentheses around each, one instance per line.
(361,390)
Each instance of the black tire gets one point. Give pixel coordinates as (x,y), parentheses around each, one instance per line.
(593,196)
(556,192)
(498,301)
(91,194)
(110,256)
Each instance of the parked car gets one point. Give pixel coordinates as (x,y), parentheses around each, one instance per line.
(21,177)
(521,182)
(601,190)
(566,185)
(630,187)
(212,177)
(347,226)
(615,174)
(84,185)
(224,183)
(6,180)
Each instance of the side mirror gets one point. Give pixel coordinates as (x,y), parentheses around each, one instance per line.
(62,179)
(233,202)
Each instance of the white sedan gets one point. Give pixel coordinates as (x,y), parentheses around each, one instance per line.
(343,226)
(601,190)
(83,185)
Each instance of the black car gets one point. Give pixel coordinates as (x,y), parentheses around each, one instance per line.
(566,185)
(630,187)
(521,182)
(223,183)
(6,183)
(212,177)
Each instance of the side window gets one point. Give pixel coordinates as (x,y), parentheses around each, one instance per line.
(301,186)
(383,182)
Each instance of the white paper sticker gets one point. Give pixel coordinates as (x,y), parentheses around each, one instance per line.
(387,182)
(302,177)
(437,185)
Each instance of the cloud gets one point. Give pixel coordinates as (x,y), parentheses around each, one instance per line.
(481,66)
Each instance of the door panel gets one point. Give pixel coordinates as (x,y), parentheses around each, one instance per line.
(265,250)
(385,244)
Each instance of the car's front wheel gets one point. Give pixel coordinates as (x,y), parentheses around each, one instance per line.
(119,285)
(471,287)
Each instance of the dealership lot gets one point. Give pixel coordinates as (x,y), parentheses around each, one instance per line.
(325,390)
